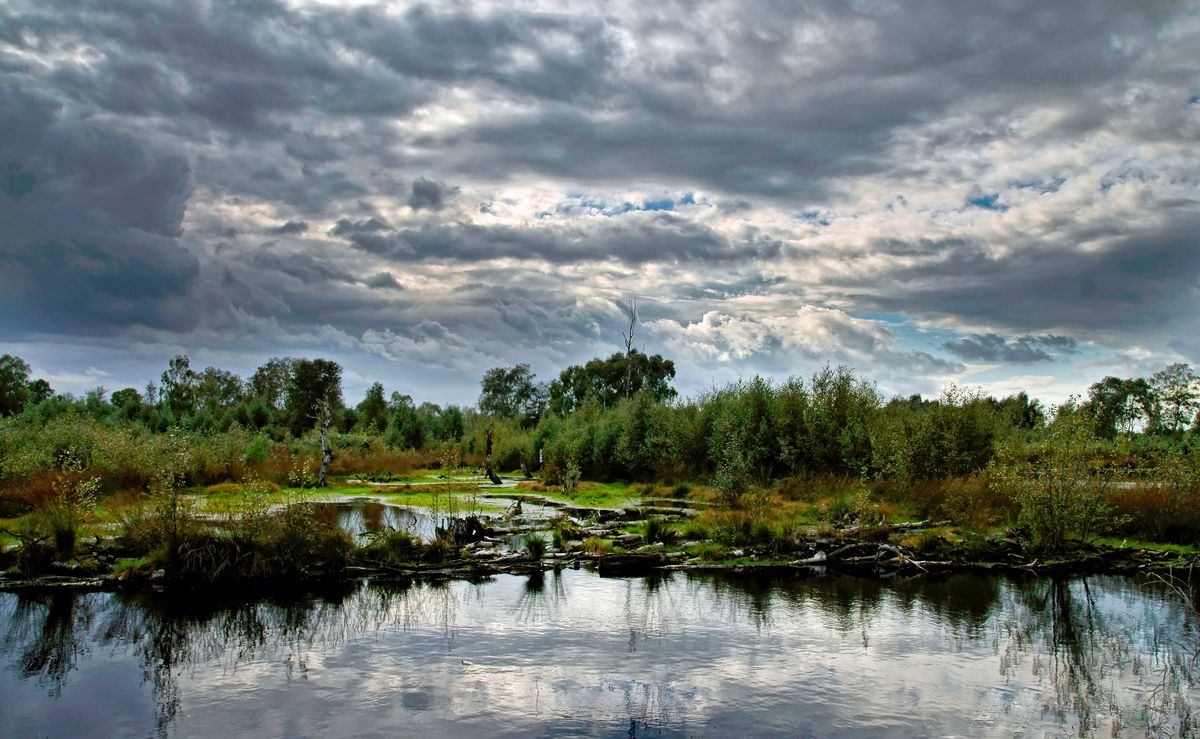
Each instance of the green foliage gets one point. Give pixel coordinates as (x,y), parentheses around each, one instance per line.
(597,545)
(656,530)
(74,496)
(535,546)
(924,440)
(373,410)
(512,392)
(393,547)
(1061,492)
(312,382)
(258,450)
(606,381)
(14,384)
(1119,405)
(1176,393)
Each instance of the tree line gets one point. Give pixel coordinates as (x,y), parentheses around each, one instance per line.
(619,417)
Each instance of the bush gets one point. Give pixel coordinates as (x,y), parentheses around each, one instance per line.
(1062,493)
(656,530)
(392,546)
(535,546)
(597,545)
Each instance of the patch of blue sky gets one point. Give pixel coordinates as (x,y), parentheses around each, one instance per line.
(576,202)
(912,337)
(990,201)
(816,217)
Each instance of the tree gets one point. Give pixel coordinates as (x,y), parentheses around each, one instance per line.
(406,427)
(606,381)
(312,383)
(126,397)
(14,385)
(1021,412)
(269,382)
(451,424)
(1176,396)
(511,392)
(39,390)
(217,389)
(374,408)
(1116,405)
(179,386)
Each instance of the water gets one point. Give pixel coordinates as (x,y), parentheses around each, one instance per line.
(361,517)
(574,654)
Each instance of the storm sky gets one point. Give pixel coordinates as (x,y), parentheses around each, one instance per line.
(1001,194)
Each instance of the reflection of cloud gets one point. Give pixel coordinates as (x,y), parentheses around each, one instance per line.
(713,656)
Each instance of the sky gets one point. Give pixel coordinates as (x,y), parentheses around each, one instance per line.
(1001,195)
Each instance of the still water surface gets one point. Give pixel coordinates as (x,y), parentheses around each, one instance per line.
(575,654)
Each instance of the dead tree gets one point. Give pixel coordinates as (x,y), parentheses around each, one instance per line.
(487,460)
(326,451)
(627,337)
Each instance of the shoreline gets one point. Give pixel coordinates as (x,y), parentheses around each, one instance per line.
(1098,561)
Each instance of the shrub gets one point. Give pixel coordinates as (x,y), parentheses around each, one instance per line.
(535,546)
(392,546)
(1062,493)
(656,530)
(597,545)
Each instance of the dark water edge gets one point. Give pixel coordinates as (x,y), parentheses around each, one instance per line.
(571,653)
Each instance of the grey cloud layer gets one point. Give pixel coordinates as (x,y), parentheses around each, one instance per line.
(500,176)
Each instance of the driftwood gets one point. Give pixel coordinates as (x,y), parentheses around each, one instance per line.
(893,527)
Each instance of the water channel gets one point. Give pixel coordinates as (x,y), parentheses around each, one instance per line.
(570,653)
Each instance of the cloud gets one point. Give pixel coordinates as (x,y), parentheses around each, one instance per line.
(798,342)
(1022,349)
(779,183)
(430,195)
(383,281)
(289,228)
(640,237)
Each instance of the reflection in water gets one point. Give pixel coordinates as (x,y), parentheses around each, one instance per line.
(567,652)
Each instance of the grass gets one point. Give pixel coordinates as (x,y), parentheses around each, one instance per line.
(1119,543)
(535,546)
(589,494)
(7,539)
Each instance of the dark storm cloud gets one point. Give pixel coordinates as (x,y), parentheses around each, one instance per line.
(430,195)
(347,228)
(91,224)
(141,136)
(1144,280)
(644,237)
(1021,349)
(383,281)
(289,228)
(309,268)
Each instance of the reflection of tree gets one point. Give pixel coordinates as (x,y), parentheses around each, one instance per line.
(44,631)
(1080,648)
(170,635)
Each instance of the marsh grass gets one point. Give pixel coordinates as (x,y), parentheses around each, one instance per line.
(535,546)
(597,545)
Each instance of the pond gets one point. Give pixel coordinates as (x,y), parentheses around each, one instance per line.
(571,653)
(361,517)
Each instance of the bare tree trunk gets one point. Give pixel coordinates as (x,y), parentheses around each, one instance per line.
(326,452)
(627,337)
(488,460)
